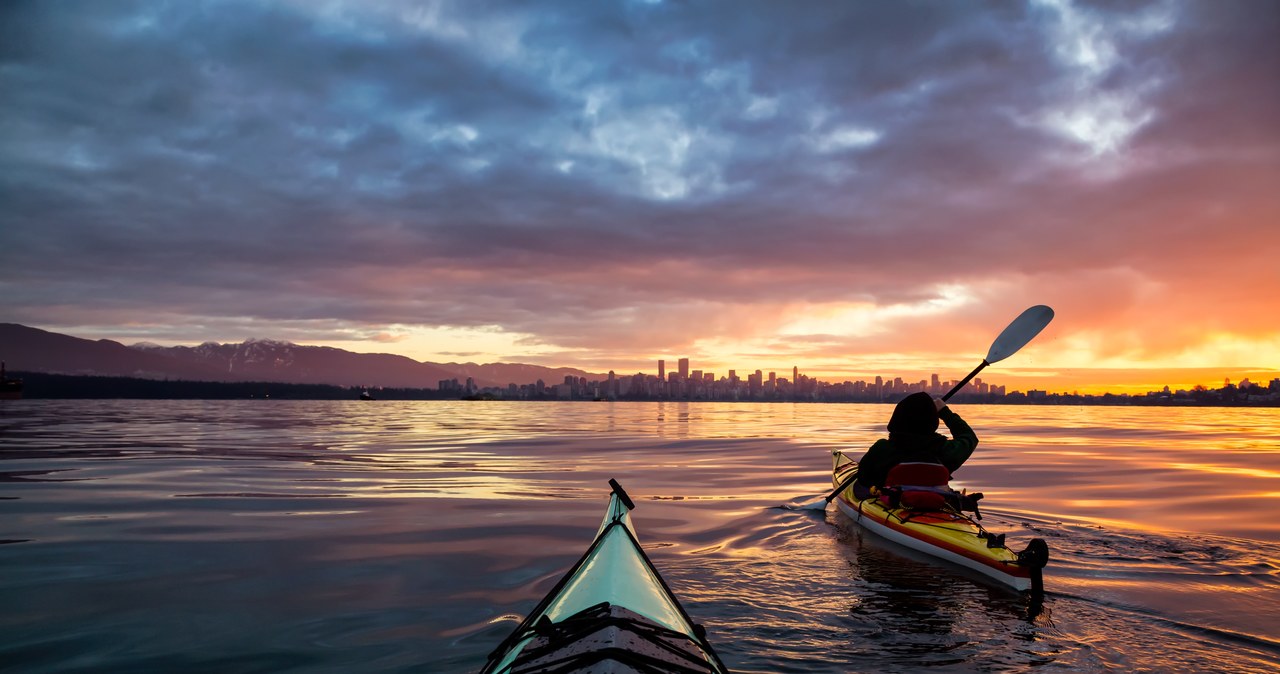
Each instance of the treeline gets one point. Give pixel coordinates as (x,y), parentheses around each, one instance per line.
(39,385)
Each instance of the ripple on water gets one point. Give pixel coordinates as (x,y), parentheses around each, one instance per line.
(407,536)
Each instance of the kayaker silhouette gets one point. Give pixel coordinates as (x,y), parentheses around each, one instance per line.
(915,455)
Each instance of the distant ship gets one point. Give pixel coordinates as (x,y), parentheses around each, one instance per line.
(10,389)
(365,395)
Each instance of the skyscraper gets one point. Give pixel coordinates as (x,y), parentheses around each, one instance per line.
(684,369)
(662,370)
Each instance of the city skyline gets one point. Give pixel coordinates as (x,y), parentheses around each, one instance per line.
(696,384)
(598,186)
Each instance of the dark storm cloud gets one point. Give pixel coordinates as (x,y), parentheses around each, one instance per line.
(576,170)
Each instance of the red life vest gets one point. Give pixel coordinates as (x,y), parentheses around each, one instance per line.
(918,485)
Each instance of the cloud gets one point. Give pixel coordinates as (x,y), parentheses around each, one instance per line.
(612,181)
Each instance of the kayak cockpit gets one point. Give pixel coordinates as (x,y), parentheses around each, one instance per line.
(609,638)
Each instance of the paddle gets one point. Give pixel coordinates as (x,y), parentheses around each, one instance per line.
(1022,330)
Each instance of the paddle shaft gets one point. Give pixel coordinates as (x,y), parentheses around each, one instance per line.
(956,389)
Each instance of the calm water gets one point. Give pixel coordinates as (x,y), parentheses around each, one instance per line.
(381,537)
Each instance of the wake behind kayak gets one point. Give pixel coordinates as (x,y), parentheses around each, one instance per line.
(612,612)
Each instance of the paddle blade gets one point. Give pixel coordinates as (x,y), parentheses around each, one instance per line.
(820,504)
(1023,329)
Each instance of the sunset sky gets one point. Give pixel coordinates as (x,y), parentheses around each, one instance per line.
(853,188)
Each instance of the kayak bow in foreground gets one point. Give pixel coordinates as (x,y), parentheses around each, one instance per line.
(611,612)
(946,534)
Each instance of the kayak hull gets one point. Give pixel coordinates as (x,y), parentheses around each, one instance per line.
(612,612)
(947,535)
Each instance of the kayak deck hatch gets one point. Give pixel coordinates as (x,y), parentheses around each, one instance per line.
(626,640)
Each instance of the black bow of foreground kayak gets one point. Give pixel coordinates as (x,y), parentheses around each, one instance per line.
(612,612)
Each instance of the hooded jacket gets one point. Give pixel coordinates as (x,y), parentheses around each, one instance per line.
(913,436)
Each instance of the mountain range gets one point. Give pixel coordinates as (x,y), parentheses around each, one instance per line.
(34,350)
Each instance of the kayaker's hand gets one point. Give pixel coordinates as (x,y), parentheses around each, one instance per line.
(939,403)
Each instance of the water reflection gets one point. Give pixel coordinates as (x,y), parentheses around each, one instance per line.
(914,612)
(168,535)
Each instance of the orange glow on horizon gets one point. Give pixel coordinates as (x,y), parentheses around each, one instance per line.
(1026,371)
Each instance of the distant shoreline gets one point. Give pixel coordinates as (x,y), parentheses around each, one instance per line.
(43,386)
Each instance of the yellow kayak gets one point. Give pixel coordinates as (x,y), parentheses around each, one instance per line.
(946,534)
